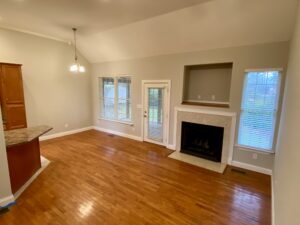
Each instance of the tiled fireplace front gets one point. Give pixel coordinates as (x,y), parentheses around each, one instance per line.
(212,121)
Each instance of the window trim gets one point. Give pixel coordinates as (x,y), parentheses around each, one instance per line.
(252,149)
(277,112)
(118,121)
(100,96)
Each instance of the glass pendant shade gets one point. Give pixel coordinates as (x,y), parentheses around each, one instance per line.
(76,67)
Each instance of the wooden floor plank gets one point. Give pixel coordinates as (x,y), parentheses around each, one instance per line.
(96,178)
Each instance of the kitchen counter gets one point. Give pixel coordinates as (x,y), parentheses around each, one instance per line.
(23,154)
(24,135)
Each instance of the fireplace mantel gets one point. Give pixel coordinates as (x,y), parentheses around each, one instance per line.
(221,118)
(205,111)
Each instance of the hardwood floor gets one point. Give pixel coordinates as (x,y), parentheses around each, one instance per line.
(96,178)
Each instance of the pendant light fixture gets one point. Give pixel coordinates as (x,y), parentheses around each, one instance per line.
(76,67)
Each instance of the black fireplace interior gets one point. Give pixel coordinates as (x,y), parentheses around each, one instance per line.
(202,140)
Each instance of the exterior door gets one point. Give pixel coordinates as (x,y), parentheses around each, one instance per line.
(155,112)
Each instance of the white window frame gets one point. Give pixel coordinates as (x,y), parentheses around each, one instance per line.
(100,99)
(256,149)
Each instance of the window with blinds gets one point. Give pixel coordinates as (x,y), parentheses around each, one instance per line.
(124,112)
(259,109)
(115,98)
(108,98)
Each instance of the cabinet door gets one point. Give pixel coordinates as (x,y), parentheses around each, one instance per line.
(12,85)
(15,116)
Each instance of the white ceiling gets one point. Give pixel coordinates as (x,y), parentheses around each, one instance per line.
(123,29)
(57,17)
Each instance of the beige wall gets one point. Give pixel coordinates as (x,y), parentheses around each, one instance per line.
(172,67)
(287,161)
(53,95)
(202,84)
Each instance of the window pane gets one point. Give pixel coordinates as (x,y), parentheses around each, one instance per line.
(108,96)
(155,114)
(259,108)
(257,129)
(124,103)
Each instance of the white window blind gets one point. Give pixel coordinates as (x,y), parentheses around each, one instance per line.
(108,98)
(124,112)
(115,98)
(259,109)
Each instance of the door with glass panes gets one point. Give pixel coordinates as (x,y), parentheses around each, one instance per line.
(155,112)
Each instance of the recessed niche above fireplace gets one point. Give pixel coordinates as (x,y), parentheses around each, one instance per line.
(207,85)
(200,140)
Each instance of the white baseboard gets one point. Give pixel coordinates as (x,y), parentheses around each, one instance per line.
(61,134)
(137,138)
(7,200)
(273,199)
(172,147)
(251,167)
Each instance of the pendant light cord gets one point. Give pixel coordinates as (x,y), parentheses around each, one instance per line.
(75,44)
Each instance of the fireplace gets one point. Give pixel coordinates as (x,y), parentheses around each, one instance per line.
(200,140)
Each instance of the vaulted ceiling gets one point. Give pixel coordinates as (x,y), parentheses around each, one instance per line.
(123,29)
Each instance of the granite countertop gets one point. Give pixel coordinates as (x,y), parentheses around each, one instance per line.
(24,135)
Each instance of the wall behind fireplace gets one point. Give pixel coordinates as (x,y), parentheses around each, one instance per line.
(171,67)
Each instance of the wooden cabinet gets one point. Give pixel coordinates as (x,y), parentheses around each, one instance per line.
(23,162)
(12,96)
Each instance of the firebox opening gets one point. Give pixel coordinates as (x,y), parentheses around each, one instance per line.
(202,140)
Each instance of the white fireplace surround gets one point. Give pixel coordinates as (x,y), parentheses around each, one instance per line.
(219,118)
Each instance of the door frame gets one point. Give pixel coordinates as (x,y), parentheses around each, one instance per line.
(167,109)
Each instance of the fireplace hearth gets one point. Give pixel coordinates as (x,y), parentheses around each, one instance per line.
(201,140)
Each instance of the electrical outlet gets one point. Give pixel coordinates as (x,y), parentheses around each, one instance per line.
(254,156)
(199,96)
(66,125)
(213,97)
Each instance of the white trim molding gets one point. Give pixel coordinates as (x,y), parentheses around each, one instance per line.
(230,114)
(199,101)
(121,134)
(263,70)
(130,123)
(250,149)
(273,198)
(231,140)
(65,133)
(6,201)
(172,147)
(206,111)
(168,83)
(252,167)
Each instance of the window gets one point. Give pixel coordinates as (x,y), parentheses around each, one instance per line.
(124,98)
(108,105)
(259,109)
(115,98)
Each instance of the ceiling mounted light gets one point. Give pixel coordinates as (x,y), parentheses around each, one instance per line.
(76,67)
